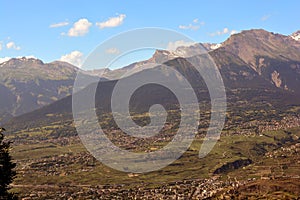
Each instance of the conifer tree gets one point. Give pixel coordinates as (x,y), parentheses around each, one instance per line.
(7,172)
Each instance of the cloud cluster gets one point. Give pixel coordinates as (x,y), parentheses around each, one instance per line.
(112,22)
(12,45)
(223,32)
(75,58)
(193,26)
(80,28)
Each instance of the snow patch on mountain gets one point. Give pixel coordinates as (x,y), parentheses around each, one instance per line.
(215,46)
(296,36)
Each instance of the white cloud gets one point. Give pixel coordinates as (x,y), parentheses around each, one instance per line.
(0,46)
(4,59)
(233,32)
(179,43)
(194,26)
(112,22)
(60,24)
(265,17)
(189,27)
(75,58)
(223,32)
(12,45)
(80,28)
(112,51)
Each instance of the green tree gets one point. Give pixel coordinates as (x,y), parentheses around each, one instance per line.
(7,172)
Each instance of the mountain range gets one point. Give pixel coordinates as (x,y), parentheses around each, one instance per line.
(255,65)
(28,84)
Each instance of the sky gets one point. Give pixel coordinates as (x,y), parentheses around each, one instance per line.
(70,30)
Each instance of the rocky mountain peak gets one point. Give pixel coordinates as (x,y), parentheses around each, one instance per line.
(251,44)
(19,62)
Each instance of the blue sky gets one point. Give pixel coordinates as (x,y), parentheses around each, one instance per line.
(70,30)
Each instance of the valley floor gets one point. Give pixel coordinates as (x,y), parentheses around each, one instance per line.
(65,170)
